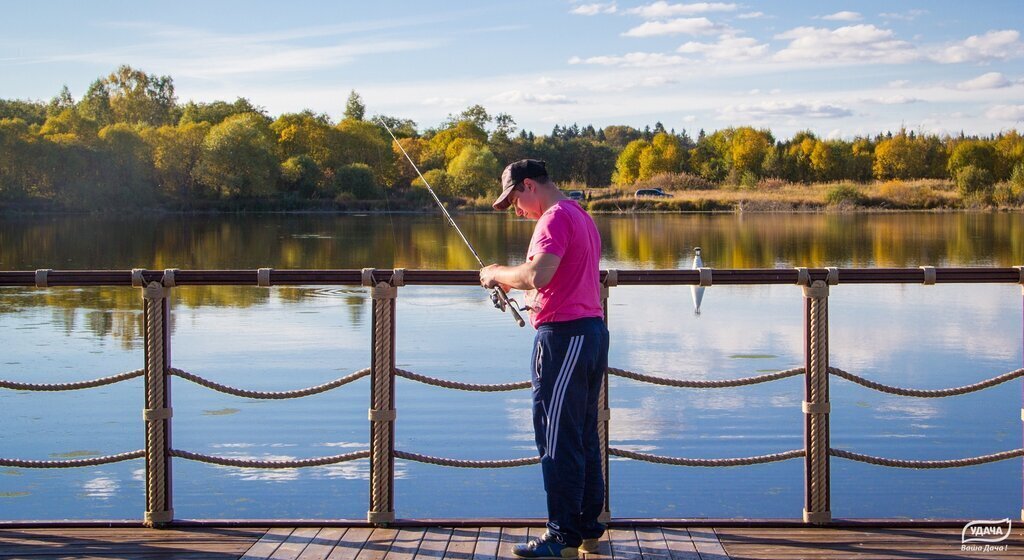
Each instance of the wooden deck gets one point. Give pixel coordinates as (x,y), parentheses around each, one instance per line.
(358,543)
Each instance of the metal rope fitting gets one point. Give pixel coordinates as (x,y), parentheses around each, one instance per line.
(383,290)
(816,407)
(263,277)
(611,279)
(159,517)
(382,415)
(833,276)
(168,279)
(816,290)
(929,275)
(154,291)
(137,280)
(154,414)
(803,278)
(368,277)
(41,274)
(817,516)
(398,277)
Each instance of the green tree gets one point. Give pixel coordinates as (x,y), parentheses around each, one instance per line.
(238,158)
(309,134)
(1009,154)
(177,151)
(898,158)
(216,111)
(301,175)
(61,101)
(627,166)
(70,127)
(977,153)
(369,143)
(359,180)
(137,97)
(474,171)
(127,169)
(748,148)
(95,104)
(354,108)
(663,155)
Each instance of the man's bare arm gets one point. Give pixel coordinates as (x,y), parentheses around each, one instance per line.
(531,275)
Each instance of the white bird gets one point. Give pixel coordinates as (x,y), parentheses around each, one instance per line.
(697,291)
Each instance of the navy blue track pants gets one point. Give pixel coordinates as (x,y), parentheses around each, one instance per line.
(569,361)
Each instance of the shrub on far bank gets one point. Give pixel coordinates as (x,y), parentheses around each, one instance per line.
(912,194)
(358,180)
(973,181)
(673,182)
(843,193)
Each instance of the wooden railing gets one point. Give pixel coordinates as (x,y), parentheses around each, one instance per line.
(384,287)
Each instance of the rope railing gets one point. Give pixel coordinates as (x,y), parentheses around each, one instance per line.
(467,464)
(460,386)
(73,463)
(72,386)
(928,393)
(256,464)
(270,395)
(946,464)
(686,462)
(383,286)
(705,384)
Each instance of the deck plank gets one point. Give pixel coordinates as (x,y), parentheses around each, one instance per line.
(708,546)
(652,543)
(293,546)
(378,544)
(462,544)
(487,541)
(322,545)
(624,545)
(350,544)
(406,543)
(434,543)
(680,545)
(510,536)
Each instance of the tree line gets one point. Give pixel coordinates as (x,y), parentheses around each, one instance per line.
(129,142)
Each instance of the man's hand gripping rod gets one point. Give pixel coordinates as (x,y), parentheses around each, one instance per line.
(498,295)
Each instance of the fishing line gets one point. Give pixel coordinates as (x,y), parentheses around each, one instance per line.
(498,295)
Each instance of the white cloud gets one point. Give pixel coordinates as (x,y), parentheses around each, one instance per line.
(633,59)
(444,101)
(688,26)
(690,119)
(893,100)
(853,43)
(843,16)
(909,15)
(518,97)
(663,10)
(899,83)
(751,15)
(775,109)
(994,45)
(1013,113)
(594,9)
(990,80)
(728,49)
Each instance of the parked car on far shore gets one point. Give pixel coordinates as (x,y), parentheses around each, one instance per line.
(576,195)
(650,192)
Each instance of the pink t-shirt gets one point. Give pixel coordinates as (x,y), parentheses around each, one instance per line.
(566,230)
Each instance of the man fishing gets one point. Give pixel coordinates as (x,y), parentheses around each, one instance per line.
(570,354)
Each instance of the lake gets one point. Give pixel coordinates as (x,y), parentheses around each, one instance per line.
(290,337)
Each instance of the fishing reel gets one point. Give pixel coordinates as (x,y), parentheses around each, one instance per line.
(503,302)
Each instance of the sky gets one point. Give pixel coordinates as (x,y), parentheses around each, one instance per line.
(839,69)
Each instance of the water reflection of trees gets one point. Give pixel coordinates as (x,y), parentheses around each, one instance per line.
(427,242)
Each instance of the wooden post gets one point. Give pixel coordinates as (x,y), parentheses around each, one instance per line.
(157,412)
(382,410)
(816,407)
(604,410)
(1020,269)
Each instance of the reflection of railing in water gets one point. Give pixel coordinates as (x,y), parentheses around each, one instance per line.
(384,286)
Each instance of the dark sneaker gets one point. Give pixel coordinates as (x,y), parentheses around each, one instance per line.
(589,546)
(545,547)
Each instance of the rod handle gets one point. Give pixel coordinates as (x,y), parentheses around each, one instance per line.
(511,307)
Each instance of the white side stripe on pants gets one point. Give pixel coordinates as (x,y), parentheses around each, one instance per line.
(572,353)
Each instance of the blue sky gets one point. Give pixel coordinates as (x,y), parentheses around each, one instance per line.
(837,68)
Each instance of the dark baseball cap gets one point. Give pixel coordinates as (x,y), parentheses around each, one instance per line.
(514,174)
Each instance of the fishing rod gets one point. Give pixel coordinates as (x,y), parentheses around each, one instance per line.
(499,298)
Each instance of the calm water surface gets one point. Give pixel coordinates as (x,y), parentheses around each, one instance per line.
(288,337)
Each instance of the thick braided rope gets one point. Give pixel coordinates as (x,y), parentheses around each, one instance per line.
(446,462)
(155,443)
(479,387)
(71,463)
(270,394)
(602,437)
(253,464)
(948,464)
(928,393)
(818,445)
(695,384)
(730,462)
(381,443)
(18,386)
